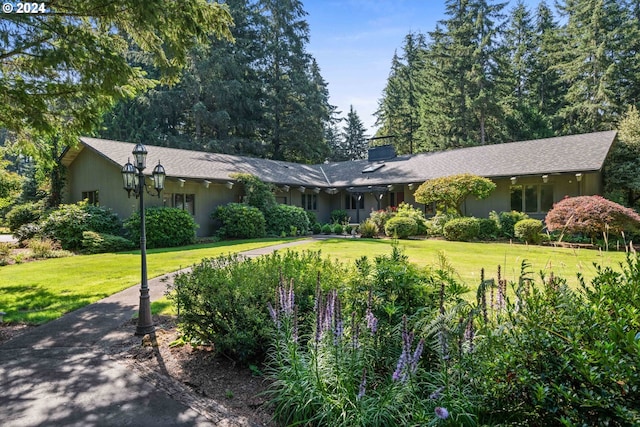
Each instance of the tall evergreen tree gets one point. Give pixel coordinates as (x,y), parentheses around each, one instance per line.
(398,113)
(294,128)
(462,65)
(588,61)
(354,141)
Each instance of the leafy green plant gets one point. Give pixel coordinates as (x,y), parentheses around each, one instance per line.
(401,227)
(406,210)
(339,216)
(221,301)
(280,218)
(450,191)
(327,229)
(487,229)
(67,223)
(368,228)
(41,248)
(506,221)
(240,220)
(337,229)
(25,213)
(435,225)
(256,193)
(27,231)
(529,230)
(95,243)
(462,229)
(165,227)
(316,228)
(380,217)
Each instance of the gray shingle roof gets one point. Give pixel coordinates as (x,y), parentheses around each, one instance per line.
(575,153)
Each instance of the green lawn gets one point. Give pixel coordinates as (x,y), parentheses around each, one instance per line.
(469,258)
(41,291)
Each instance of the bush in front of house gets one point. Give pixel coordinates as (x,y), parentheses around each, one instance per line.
(165,227)
(25,213)
(435,225)
(368,228)
(327,229)
(401,227)
(313,219)
(316,228)
(529,230)
(406,210)
(506,222)
(280,218)
(97,243)
(240,221)
(67,223)
(339,216)
(223,300)
(380,217)
(337,228)
(592,216)
(487,229)
(462,229)
(27,231)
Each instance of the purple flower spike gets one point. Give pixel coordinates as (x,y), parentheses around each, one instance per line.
(441,412)
(363,385)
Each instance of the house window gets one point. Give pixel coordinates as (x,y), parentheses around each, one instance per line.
(281,200)
(310,202)
(186,202)
(354,201)
(531,198)
(91,196)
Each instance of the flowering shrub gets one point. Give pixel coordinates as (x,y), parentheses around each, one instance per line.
(592,216)
(380,217)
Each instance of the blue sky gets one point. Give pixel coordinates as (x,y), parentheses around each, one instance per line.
(354,41)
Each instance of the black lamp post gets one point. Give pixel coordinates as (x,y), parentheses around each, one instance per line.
(133,180)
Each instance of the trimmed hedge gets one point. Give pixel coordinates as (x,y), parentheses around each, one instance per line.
(240,221)
(401,227)
(529,230)
(281,218)
(462,229)
(165,227)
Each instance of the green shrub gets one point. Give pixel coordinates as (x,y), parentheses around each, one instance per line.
(401,227)
(240,221)
(327,229)
(488,229)
(280,218)
(339,216)
(6,249)
(23,214)
(462,229)
(313,219)
(67,223)
(256,193)
(506,222)
(406,210)
(316,228)
(41,248)
(96,243)
(27,231)
(529,230)
(435,225)
(368,228)
(380,217)
(223,300)
(337,229)
(165,227)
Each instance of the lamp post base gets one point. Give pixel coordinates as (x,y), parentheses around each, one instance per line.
(145,323)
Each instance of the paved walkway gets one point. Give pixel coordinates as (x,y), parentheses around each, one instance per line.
(59,374)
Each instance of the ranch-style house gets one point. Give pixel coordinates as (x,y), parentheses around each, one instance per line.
(530,176)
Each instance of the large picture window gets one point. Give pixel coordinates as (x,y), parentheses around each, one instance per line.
(533,198)
(310,202)
(351,201)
